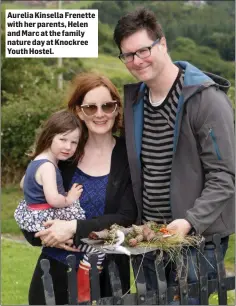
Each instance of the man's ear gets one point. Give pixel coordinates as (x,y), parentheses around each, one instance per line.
(162,45)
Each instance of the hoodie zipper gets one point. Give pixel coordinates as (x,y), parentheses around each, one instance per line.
(213,138)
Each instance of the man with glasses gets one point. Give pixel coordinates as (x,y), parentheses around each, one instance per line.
(180,141)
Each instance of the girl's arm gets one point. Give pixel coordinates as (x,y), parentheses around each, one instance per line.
(59,231)
(22,182)
(46,176)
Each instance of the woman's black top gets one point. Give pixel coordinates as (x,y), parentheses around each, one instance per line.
(120,206)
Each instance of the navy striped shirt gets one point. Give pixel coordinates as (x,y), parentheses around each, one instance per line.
(157,153)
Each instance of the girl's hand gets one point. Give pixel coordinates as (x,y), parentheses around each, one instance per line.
(74,193)
(58,231)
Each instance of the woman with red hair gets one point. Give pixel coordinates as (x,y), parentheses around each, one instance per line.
(107,196)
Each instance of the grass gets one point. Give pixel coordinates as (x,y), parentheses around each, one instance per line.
(230,254)
(17,272)
(109,65)
(213,299)
(230,298)
(10,197)
(105,64)
(18,262)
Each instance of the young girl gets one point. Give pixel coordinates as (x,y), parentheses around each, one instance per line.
(45,197)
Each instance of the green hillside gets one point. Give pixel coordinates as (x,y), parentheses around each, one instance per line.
(30,85)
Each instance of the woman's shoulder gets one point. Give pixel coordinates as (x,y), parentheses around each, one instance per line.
(119,161)
(120,151)
(65,164)
(120,143)
(67,168)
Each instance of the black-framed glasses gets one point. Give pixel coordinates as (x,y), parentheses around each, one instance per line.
(91,109)
(141,53)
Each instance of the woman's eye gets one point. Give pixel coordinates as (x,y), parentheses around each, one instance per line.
(62,139)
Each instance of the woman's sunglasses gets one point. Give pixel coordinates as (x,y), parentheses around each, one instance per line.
(91,109)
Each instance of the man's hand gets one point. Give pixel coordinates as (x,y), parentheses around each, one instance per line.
(180,226)
(58,231)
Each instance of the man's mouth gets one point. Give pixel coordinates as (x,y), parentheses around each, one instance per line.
(143,68)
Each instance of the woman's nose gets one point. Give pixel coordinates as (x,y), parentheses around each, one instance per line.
(99,112)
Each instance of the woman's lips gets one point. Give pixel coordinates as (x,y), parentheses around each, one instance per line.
(100,122)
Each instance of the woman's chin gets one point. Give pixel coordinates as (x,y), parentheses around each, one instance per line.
(101,132)
(100,129)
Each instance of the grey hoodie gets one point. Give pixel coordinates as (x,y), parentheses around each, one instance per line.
(202,176)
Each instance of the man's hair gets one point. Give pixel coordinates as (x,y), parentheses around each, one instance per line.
(60,122)
(140,19)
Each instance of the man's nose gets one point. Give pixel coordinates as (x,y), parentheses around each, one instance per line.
(137,60)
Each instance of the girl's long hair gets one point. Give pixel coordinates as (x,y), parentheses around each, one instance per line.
(60,122)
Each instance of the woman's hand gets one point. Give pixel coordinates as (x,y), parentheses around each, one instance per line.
(57,231)
(68,246)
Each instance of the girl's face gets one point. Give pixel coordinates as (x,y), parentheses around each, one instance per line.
(102,121)
(64,145)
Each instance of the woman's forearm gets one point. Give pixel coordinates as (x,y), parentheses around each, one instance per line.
(29,236)
(73,226)
(85,227)
(57,231)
